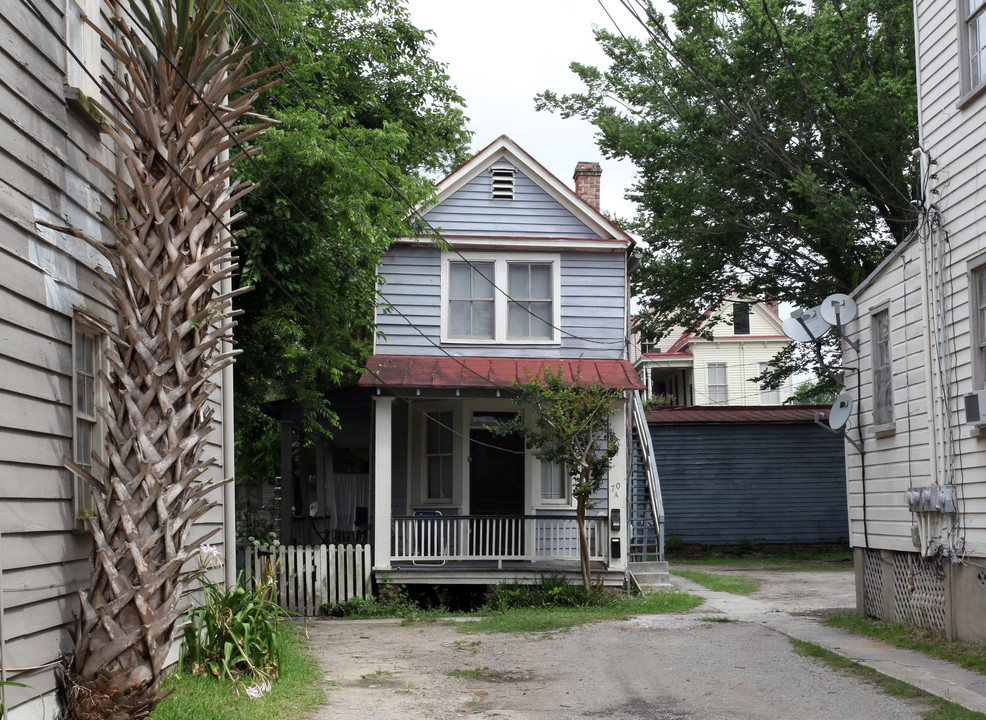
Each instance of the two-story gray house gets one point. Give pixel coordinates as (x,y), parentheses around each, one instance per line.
(531,275)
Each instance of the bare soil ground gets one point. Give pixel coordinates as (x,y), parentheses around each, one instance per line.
(666,667)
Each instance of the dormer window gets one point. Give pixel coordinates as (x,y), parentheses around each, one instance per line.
(502,181)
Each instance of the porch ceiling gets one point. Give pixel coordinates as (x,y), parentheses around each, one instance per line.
(414,371)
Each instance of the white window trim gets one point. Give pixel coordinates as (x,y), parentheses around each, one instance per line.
(553,503)
(967,92)
(500,299)
(708,382)
(419,496)
(81,495)
(888,428)
(774,393)
(977,334)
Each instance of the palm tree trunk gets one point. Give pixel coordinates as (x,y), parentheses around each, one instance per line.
(168,256)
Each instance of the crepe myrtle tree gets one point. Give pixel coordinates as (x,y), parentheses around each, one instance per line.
(178,113)
(571,428)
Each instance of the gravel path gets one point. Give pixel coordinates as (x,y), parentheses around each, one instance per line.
(668,667)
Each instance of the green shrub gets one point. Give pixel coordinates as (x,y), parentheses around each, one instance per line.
(551,591)
(672,544)
(371,607)
(745,545)
(234,634)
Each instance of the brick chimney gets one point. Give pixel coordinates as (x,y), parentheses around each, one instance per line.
(587,182)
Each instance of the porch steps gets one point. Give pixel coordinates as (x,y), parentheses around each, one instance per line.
(651,576)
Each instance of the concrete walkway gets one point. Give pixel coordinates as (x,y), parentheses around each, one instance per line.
(938,677)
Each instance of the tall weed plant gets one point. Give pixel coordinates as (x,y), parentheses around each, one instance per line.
(235,634)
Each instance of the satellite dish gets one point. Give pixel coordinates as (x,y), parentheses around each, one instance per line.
(840,412)
(805,325)
(838,309)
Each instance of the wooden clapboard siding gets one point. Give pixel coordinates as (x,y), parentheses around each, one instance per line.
(592,297)
(532,212)
(768,482)
(44,277)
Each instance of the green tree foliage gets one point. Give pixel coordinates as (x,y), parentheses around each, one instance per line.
(772,140)
(334,190)
(571,428)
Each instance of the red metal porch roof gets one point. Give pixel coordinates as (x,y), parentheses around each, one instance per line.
(443,372)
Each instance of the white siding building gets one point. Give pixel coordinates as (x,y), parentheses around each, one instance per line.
(684,368)
(921,329)
(48,355)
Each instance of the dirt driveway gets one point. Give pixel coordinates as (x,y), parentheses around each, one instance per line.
(667,667)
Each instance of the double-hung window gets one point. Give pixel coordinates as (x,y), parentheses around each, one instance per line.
(554,481)
(977,279)
(471,300)
(529,311)
(500,298)
(768,395)
(883,387)
(439,455)
(972,44)
(717,384)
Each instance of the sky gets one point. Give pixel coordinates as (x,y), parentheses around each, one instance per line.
(501,54)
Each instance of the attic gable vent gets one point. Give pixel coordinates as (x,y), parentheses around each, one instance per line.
(502,181)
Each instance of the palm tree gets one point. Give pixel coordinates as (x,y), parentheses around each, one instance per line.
(169,116)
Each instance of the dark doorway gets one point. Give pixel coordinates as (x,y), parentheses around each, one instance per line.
(496,489)
(496,473)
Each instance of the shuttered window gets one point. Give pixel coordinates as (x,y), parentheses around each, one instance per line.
(82,64)
(502,182)
(741,318)
(883,389)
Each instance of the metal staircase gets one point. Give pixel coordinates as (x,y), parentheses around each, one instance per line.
(645,507)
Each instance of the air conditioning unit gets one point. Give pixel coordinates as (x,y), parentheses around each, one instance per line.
(975,407)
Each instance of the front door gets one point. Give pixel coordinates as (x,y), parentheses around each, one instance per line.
(496,494)
(496,473)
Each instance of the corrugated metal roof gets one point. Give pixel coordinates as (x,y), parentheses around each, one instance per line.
(442,372)
(736,414)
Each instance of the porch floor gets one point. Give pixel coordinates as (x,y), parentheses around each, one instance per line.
(488,572)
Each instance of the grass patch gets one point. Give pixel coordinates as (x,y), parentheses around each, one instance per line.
(298,691)
(970,656)
(937,708)
(775,557)
(546,619)
(721,583)
(717,619)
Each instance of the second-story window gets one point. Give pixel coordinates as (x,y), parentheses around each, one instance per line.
(972,29)
(768,395)
(499,297)
(529,314)
(82,65)
(471,300)
(717,384)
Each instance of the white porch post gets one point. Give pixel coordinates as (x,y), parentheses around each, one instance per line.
(382,474)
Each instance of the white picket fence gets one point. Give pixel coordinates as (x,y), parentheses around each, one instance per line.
(307,576)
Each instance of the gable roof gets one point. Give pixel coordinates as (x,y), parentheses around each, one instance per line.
(505,148)
(681,340)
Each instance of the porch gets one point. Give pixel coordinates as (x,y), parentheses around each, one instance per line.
(491,542)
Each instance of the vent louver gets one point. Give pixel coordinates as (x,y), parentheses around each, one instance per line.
(502,181)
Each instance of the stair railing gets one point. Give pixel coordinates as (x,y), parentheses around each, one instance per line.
(650,467)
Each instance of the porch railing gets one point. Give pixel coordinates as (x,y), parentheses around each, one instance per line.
(440,539)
